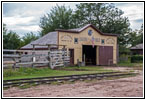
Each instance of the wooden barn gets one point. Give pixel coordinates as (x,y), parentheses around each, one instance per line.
(86,44)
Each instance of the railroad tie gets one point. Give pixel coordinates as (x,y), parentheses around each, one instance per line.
(59,81)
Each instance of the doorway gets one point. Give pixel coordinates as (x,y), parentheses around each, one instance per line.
(71,56)
(105,55)
(90,54)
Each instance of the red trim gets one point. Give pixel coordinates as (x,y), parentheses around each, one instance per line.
(71,31)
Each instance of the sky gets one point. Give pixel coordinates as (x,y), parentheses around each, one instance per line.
(25,17)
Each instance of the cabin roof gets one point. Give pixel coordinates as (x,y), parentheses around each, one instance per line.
(139,46)
(50,38)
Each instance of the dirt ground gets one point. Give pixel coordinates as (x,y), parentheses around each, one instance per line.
(123,87)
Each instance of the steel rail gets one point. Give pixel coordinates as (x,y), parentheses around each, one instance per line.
(69,78)
(58,76)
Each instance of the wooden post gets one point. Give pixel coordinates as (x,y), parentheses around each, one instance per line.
(49,57)
(84,59)
(33,56)
(63,56)
(13,67)
(19,58)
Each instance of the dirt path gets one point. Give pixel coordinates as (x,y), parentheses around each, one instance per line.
(124,87)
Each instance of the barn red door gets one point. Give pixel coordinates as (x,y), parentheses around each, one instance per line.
(105,55)
(71,56)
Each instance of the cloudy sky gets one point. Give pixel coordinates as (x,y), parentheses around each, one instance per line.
(24,17)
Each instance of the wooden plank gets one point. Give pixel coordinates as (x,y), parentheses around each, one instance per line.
(9,62)
(10,56)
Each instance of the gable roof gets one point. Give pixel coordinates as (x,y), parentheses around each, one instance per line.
(139,46)
(50,38)
(78,30)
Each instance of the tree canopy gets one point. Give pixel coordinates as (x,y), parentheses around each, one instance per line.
(59,17)
(136,37)
(29,37)
(11,40)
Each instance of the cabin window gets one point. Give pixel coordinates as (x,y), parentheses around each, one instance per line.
(76,40)
(102,41)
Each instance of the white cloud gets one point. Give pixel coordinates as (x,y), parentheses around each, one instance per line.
(30,28)
(134,12)
(25,17)
(15,20)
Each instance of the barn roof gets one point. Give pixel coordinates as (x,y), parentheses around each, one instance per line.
(78,30)
(50,38)
(139,46)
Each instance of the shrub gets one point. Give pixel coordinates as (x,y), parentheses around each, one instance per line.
(136,58)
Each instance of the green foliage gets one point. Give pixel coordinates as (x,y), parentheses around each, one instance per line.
(59,18)
(136,58)
(129,64)
(124,50)
(11,40)
(28,37)
(136,37)
(4,29)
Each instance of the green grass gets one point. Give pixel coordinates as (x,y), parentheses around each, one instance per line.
(129,64)
(43,72)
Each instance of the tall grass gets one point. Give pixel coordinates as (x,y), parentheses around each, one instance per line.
(28,72)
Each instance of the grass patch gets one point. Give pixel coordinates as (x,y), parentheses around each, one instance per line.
(86,68)
(44,72)
(129,64)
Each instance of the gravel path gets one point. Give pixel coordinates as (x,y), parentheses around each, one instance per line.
(123,87)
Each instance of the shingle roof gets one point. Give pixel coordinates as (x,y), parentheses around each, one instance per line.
(50,38)
(139,46)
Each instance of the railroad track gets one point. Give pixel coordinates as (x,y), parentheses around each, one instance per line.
(40,80)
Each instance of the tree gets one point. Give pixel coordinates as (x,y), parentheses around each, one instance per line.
(27,38)
(59,18)
(106,17)
(136,37)
(140,35)
(5,38)
(10,39)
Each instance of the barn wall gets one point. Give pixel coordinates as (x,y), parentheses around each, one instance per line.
(68,39)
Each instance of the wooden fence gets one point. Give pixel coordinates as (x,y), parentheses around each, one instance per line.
(51,58)
(59,58)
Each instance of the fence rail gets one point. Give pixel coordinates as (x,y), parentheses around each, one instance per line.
(51,58)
